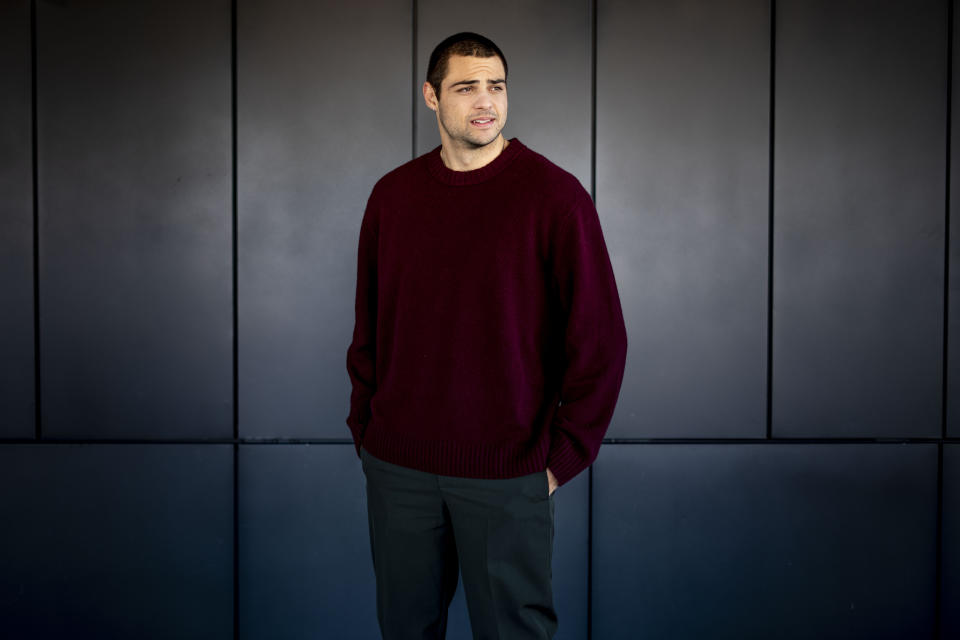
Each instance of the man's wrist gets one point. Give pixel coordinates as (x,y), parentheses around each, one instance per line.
(552,481)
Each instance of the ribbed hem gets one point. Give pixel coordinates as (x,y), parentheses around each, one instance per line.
(448,458)
(464,178)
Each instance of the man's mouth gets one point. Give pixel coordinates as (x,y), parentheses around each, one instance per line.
(482,122)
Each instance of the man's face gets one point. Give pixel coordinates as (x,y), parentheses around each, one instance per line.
(472,105)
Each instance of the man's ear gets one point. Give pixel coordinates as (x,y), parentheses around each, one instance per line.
(430,96)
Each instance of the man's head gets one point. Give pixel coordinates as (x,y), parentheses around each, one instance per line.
(464,43)
(467,87)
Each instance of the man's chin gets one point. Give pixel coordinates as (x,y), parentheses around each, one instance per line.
(479,143)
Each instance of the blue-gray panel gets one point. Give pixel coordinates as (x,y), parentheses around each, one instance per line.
(682,181)
(116,541)
(17,405)
(764,541)
(133,109)
(859,217)
(950,594)
(323,111)
(571,557)
(548,51)
(303,518)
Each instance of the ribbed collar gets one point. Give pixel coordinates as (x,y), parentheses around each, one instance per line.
(462,178)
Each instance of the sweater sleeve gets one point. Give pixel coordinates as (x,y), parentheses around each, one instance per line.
(361,354)
(594,337)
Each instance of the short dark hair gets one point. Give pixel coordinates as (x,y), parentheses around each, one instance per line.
(464,43)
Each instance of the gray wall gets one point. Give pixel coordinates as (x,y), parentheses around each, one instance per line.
(181,187)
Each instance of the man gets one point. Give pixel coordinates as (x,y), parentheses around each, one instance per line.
(487,357)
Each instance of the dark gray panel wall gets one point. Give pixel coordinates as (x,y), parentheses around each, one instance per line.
(321,116)
(764,541)
(116,541)
(134,117)
(950,596)
(17,405)
(133,108)
(548,51)
(682,166)
(859,223)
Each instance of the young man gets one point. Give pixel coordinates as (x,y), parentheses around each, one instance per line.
(487,357)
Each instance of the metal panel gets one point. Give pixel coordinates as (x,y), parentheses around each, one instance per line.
(859,223)
(303,518)
(133,106)
(682,181)
(548,50)
(322,115)
(764,541)
(950,567)
(17,393)
(116,541)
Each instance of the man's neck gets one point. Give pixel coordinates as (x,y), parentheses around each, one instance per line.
(470,159)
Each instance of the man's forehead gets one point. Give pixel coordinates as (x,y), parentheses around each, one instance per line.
(474,67)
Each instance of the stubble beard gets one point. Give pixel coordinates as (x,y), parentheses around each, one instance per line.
(464,135)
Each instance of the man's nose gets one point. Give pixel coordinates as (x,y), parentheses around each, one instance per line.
(483,101)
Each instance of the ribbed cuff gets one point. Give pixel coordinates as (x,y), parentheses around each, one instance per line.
(563,460)
(356,430)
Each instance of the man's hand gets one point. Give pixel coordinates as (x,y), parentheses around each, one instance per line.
(552,481)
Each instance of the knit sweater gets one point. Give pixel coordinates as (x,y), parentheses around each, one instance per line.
(489,339)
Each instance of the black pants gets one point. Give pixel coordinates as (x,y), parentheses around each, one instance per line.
(498,533)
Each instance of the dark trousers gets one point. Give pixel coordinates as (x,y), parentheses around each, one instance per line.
(425,528)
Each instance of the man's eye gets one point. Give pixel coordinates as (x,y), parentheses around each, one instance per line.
(464,89)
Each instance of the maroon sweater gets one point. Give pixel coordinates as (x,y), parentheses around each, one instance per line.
(489,339)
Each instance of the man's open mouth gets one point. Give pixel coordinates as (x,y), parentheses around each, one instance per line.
(482,122)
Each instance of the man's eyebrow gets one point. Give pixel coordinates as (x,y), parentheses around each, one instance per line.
(497,81)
